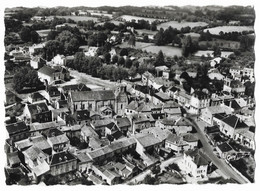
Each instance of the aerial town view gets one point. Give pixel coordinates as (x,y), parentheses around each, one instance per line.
(129,95)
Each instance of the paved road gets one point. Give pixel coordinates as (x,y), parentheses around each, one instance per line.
(220,163)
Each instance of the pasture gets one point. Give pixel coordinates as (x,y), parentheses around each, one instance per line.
(209,53)
(177,25)
(226,29)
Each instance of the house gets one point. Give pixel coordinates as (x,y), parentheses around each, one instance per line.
(126,170)
(17,131)
(71,131)
(160,98)
(231,124)
(37,112)
(37,161)
(53,94)
(147,143)
(246,138)
(91,100)
(141,121)
(123,124)
(214,74)
(36,97)
(235,105)
(38,128)
(13,159)
(171,109)
(225,150)
(57,140)
(74,88)
(36,48)
(234,86)
(100,125)
(198,101)
(43,34)
(157,132)
(62,162)
(183,99)
(196,163)
(10,97)
(53,75)
(83,161)
(182,125)
(249,72)
(163,71)
(91,51)
(180,144)
(208,113)
(59,60)
(109,175)
(37,62)
(87,132)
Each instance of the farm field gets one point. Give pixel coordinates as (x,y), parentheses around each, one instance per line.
(78,18)
(141,31)
(177,25)
(226,29)
(130,18)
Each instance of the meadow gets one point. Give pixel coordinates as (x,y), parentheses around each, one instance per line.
(177,25)
(226,29)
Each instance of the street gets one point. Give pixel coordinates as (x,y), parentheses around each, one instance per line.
(220,163)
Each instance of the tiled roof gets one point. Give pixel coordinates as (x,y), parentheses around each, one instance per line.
(190,138)
(34,153)
(78,87)
(148,140)
(123,122)
(93,95)
(40,142)
(58,139)
(198,157)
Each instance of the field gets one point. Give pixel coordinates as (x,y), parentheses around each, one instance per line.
(167,50)
(130,18)
(102,14)
(226,29)
(141,31)
(112,21)
(150,47)
(78,18)
(210,52)
(177,25)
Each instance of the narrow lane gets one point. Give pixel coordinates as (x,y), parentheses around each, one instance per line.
(220,163)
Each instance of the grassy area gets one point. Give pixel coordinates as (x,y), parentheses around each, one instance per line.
(226,29)
(177,25)
(170,178)
(79,18)
(167,50)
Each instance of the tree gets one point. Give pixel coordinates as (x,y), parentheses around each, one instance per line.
(107,57)
(131,40)
(80,62)
(52,35)
(158,38)
(132,71)
(146,38)
(216,51)
(52,48)
(114,59)
(25,34)
(160,59)
(26,77)
(121,61)
(35,38)
(149,180)
(123,52)
(189,47)
(128,63)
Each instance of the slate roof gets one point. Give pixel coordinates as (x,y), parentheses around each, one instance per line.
(88,131)
(234,122)
(37,108)
(61,157)
(190,138)
(40,142)
(198,157)
(16,128)
(93,95)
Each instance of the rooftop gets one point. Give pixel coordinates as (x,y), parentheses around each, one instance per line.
(198,157)
(61,157)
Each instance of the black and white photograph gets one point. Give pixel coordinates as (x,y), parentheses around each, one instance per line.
(129,93)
